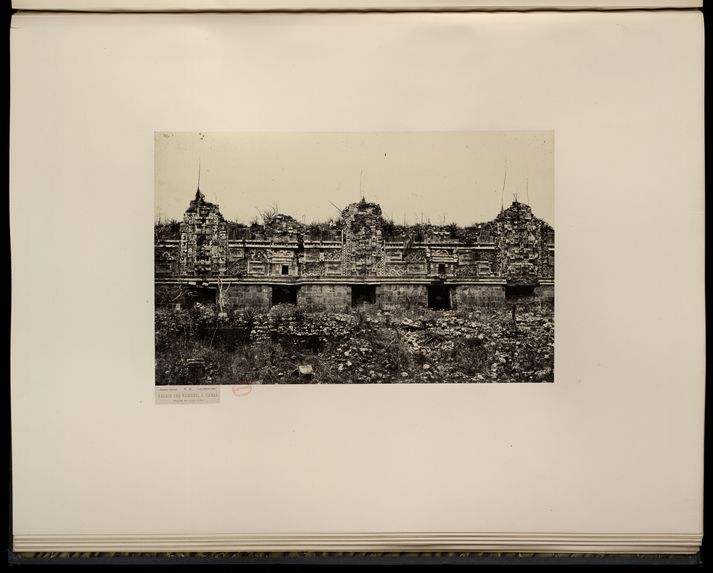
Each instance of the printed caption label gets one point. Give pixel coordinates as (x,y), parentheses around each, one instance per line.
(187,394)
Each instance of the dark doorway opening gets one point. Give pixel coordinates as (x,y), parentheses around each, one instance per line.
(441,268)
(519,291)
(203,295)
(439,297)
(363,294)
(285,270)
(284,294)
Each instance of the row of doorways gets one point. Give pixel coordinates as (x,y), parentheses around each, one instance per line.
(439,296)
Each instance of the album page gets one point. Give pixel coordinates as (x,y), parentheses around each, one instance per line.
(288,281)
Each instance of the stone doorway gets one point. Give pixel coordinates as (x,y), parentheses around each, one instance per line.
(439,297)
(363,294)
(517,292)
(284,295)
(201,294)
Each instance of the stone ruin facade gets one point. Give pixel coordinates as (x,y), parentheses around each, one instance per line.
(359,259)
(204,240)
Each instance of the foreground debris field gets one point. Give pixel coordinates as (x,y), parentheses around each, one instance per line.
(289,345)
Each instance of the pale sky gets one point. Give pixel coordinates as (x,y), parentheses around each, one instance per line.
(451,177)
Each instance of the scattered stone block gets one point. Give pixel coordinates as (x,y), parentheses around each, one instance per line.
(196,368)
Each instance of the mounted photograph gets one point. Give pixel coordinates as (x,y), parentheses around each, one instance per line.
(354,258)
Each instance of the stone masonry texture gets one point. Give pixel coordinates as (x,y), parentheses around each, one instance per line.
(205,256)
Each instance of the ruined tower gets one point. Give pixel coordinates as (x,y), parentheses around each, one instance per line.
(204,239)
(522,244)
(363,240)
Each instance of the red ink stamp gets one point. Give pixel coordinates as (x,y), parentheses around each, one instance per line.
(242,390)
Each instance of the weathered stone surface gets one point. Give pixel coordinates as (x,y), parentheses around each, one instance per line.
(204,239)
(515,249)
(325,297)
(471,296)
(546,292)
(255,296)
(401,296)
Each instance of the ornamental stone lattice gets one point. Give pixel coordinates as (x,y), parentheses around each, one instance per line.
(514,250)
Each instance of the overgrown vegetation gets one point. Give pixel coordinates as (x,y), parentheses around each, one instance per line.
(364,345)
(270,222)
(166,230)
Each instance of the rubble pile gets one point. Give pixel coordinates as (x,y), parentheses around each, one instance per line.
(283,325)
(367,345)
(283,226)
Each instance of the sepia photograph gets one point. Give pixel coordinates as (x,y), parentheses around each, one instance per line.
(343,345)
(354,258)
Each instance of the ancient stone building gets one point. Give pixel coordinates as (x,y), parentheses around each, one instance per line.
(360,259)
(204,240)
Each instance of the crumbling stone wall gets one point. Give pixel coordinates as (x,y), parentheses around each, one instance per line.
(166,258)
(390,296)
(523,244)
(547,251)
(516,247)
(545,292)
(470,296)
(518,244)
(204,239)
(237,261)
(254,296)
(320,260)
(283,227)
(325,297)
(363,240)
